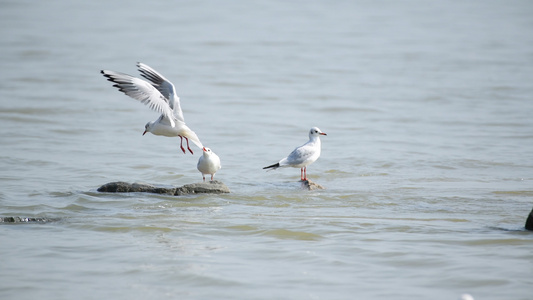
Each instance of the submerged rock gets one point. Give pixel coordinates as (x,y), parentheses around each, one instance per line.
(529,221)
(25,220)
(212,187)
(309,185)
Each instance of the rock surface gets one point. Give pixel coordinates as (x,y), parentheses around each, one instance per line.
(25,220)
(212,187)
(309,185)
(529,221)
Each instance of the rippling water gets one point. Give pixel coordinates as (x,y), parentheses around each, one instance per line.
(427,163)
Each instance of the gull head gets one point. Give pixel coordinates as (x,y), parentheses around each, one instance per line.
(315,132)
(467,297)
(148,127)
(207,151)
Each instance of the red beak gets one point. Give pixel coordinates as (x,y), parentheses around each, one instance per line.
(204,149)
(322,133)
(144,132)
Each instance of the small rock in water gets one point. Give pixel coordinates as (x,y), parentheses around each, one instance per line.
(16,220)
(212,187)
(309,185)
(529,221)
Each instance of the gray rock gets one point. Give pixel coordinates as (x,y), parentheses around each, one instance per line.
(212,187)
(309,185)
(529,221)
(16,220)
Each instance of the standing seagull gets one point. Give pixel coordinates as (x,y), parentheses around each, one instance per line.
(304,155)
(209,163)
(160,95)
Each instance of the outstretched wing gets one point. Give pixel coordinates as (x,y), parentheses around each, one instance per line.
(142,91)
(164,86)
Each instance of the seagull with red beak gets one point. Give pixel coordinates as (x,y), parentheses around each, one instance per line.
(208,163)
(304,155)
(160,95)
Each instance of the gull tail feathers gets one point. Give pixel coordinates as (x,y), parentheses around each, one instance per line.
(194,138)
(274,166)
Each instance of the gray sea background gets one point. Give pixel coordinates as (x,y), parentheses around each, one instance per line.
(428,161)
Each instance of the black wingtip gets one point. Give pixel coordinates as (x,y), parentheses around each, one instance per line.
(107,75)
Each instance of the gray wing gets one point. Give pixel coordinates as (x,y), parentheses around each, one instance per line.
(142,91)
(300,154)
(164,86)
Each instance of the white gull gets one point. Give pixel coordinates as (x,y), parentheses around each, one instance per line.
(208,163)
(160,95)
(304,155)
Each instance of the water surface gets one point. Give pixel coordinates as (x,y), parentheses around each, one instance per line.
(427,163)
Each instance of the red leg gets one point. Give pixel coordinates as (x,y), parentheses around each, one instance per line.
(212,175)
(305,173)
(301,173)
(188,146)
(203,177)
(181,145)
